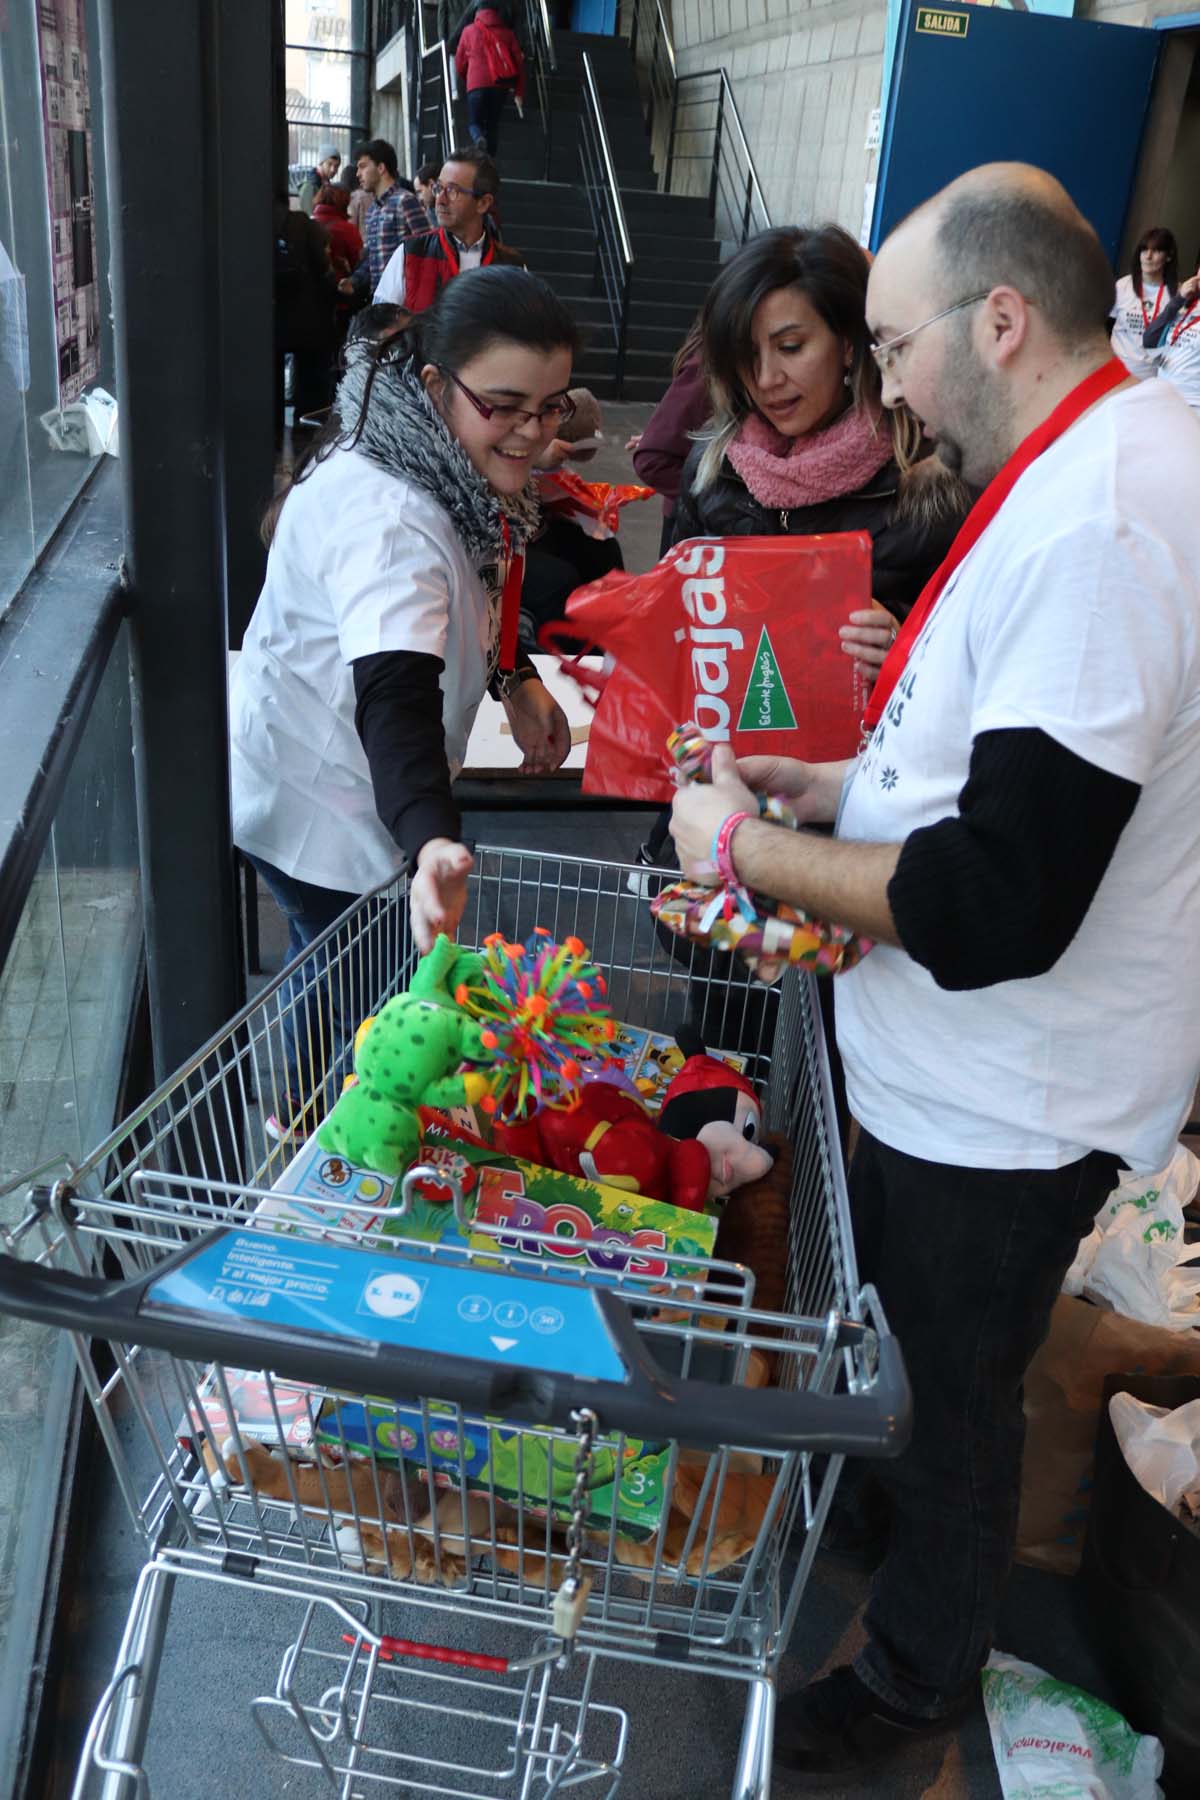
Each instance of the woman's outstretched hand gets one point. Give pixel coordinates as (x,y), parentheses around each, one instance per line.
(437,894)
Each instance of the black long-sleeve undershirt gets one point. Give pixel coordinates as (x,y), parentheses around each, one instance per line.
(997,892)
(398,717)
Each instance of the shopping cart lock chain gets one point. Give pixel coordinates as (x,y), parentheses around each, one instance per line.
(570,1602)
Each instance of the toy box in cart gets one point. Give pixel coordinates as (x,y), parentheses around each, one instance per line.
(604,1231)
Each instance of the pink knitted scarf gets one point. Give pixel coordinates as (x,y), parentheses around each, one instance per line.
(786,472)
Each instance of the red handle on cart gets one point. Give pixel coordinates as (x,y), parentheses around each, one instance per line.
(462,1659)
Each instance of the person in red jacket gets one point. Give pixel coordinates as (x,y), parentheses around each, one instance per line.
(492,64)
(345,244)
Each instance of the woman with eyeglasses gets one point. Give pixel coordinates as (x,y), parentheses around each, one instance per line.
(369,650)
(799,442)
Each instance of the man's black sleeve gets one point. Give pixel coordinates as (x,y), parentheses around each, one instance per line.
(1153,335)
(998,892)
(398,717)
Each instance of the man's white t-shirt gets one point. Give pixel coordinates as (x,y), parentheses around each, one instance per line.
(391,282)
(1131,317)
(1078,613)
(361,563)
(1180,356)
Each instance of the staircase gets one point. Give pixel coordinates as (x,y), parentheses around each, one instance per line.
(675,252)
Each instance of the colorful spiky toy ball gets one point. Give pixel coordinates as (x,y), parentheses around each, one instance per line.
(543,1010)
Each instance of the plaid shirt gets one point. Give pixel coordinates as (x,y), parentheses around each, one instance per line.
(397,216)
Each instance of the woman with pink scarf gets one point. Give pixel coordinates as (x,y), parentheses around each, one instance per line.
(799,442)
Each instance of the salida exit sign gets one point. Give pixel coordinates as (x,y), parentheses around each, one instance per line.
(942,24)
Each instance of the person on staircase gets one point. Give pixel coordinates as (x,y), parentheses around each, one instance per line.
(395,214)
(465,195)
(491,63)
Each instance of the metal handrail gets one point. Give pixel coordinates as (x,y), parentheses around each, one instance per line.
(542,59)
(614,248)
(617,208)
(447,99)
(737,186)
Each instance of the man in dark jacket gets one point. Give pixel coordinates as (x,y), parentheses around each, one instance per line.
(465,194)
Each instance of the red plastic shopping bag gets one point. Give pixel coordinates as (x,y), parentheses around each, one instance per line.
(739,634)
(592,503)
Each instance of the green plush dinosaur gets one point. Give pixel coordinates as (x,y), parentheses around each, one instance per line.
(405,1060)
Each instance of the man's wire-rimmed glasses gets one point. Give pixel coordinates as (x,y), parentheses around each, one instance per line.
(885,354)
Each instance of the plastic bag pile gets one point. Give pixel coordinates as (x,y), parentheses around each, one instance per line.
(1136,1259)
(1162,1449)
(1050,1738)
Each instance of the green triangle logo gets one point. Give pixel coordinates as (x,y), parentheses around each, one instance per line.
(766,706)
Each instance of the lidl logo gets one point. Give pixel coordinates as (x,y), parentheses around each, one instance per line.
(766,706)
(942,24)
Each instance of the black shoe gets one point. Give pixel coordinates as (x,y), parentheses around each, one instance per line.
(837,1725)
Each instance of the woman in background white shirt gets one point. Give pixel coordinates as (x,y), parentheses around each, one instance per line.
(1175,340)
(1142,295)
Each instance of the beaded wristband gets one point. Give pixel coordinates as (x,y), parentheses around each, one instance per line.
(722,849)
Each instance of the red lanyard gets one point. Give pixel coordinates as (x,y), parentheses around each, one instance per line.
(1149,318)
(451,254)
(1186,322)
(510,601)
(1100,382)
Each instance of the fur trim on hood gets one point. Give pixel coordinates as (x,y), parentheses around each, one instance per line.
(404,433)
(928,494)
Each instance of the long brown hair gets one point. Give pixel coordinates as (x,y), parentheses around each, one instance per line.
(831,271)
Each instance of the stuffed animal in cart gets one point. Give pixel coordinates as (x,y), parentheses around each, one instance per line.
(701,1149)
(405,1060)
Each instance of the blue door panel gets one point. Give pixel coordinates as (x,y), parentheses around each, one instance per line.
(1067,94)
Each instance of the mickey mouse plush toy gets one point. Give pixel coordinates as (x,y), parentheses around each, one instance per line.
(702,1146)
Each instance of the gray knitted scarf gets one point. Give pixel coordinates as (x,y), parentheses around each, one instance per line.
(404,434)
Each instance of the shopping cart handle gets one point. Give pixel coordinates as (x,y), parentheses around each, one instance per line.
(650,1403)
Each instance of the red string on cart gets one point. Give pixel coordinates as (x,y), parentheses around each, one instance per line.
(1072,407)
(462,1659)
(510,600)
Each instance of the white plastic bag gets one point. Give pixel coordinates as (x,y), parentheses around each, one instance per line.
(1052,1741)
(1135,1260)
(88,425)
(1161,1447)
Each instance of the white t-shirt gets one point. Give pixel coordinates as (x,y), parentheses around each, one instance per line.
(361,563)
(391,282)
(1179,356)
(1077,612)
(1132,318)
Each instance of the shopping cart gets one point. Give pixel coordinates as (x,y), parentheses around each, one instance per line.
(481,1612)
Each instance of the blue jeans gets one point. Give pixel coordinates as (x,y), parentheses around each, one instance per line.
(968,1263)
(484,107)
(317,1040)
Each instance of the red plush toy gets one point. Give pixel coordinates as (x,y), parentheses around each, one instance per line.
(703,1146)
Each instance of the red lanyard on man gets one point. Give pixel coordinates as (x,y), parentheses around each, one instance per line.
(1149,318)
(450,250)
(510,601)
(1100,382)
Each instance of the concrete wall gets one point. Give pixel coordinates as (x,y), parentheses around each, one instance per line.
(805,74)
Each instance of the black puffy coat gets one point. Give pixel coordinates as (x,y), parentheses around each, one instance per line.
(911,518)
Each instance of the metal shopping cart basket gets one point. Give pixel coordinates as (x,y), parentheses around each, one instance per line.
(443,1587)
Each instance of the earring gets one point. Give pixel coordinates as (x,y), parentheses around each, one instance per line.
(846,382)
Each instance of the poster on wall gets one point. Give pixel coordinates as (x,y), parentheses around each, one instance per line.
(62,52)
